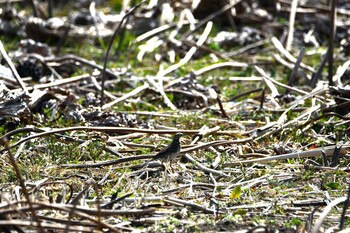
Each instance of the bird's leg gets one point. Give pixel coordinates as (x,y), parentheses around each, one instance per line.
(166,167)
(169,168)
(172,169)
(165,175)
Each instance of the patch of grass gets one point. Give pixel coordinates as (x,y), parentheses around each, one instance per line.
(191,121)
(347,222)
(293,222)
(41,153)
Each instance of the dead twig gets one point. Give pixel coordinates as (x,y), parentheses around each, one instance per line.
(183,61)
(296,68)
(203,131)
(289,56)
(85,213)
(247,48)
(325,212)
(117,29)
(57,83)
(291,24)
(126,96)
(75,58)
(110,204)
(108,163)
(211,17)
(303,154)
(13,162)
(58,136)
(194,206)
(220,65)
(345,207)
(46,225)
(179,189)
(13,68)
(318,74)
(154,32)
(99,129)
(204,168)
(331,41)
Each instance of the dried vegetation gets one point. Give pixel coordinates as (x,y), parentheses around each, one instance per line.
(258,88)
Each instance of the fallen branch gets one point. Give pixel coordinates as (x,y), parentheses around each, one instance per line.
(12,68)
(126,96)
(302,154)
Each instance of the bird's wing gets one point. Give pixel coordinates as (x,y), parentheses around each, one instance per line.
(167,150)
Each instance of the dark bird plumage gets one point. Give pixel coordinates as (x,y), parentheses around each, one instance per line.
(169,153)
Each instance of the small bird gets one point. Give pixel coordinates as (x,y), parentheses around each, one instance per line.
(169,153)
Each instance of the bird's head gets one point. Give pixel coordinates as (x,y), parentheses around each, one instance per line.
(178,136)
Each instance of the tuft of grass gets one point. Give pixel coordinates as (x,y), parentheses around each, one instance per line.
(293,222)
